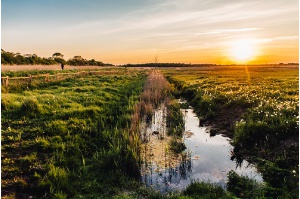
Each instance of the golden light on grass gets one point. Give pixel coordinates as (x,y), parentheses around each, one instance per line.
(243,50)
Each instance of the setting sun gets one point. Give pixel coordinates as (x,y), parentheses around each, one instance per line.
(243,50)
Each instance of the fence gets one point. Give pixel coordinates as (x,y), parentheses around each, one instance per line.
(35,79)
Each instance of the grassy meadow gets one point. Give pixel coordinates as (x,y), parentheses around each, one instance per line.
(78,137)
(70,137)
(258,107)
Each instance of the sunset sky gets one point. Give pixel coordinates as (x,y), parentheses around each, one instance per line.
(135,31)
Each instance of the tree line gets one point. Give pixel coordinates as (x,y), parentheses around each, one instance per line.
(56,58)
(166,65)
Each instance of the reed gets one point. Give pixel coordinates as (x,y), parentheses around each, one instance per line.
(156,90)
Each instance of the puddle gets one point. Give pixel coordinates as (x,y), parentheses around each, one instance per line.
(208,160)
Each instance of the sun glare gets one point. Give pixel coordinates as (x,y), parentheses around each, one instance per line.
(243,50)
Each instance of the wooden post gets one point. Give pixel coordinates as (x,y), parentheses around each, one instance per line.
(30,79)
(47,77)
(6,82)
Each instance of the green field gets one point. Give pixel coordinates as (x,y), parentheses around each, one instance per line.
(57,137)
(72,138)
(258,107)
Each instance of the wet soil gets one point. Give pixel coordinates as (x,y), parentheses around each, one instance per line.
(223,123)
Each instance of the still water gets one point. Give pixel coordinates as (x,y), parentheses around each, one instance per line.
(209,161)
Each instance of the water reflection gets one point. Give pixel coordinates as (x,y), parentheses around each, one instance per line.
(206,158)
(172,179)
(237,159)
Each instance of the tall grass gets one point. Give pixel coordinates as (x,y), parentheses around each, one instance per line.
(156,91)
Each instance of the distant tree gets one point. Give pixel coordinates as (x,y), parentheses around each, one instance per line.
(19,59)
(7,57)
(57,58)
(80,61)
(78,57)
(57,55)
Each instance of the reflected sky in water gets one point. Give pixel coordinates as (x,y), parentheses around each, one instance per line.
(209,161)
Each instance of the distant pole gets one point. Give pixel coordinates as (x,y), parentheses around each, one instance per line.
(155,61)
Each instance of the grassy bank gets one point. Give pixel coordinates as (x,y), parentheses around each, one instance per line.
(256,106)
(70,138)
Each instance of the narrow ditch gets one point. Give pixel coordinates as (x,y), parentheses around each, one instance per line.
(205,159)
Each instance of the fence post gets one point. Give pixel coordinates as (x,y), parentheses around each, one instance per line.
(47,77)
(30,79)
(6,82)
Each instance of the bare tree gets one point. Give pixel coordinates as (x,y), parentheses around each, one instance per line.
(155,59)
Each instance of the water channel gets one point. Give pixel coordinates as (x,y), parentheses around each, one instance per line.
(209,161)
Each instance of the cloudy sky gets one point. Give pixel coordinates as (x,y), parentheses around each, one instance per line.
(135,31)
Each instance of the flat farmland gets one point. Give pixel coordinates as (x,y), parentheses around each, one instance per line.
(80,137)
(256,106)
